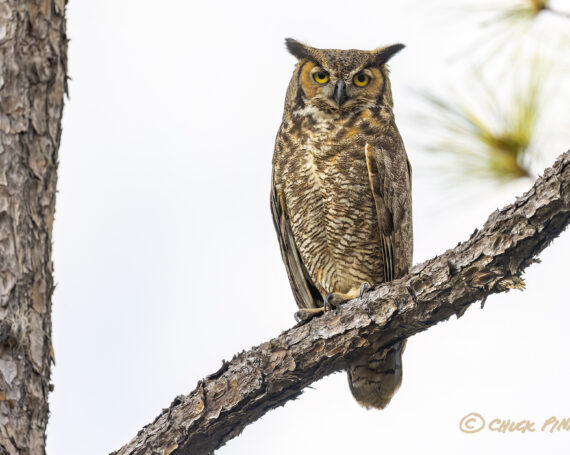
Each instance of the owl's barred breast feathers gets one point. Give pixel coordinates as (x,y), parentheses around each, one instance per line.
(341,191)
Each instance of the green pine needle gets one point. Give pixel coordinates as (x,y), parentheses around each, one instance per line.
(527,10)
(487,141)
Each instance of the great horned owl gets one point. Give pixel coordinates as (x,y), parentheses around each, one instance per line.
(341,193)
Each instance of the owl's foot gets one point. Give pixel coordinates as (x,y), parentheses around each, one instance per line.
(304,314)
(332,301)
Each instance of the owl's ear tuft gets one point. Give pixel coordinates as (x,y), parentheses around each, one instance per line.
(297,48)
(384,54)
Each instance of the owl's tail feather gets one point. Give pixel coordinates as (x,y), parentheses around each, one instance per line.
(374,380)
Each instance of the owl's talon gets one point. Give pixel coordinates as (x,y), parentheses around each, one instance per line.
(332,301)
(364,288)
(299,316)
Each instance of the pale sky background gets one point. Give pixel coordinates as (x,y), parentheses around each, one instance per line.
(166,260)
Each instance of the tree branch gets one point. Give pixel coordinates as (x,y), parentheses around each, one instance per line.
(269,375)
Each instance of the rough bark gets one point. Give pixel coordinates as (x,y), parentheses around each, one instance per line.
(269,375)
(33,49)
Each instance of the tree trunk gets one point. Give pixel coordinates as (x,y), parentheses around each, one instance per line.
(33,48)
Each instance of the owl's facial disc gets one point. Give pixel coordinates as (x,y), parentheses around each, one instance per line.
(338,90)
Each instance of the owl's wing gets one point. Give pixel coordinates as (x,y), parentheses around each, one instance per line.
(389,173)
(305,292)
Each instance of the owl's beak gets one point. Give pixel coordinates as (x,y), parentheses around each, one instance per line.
(339,93)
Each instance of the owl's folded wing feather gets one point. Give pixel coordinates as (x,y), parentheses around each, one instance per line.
(393,200)
(305,293)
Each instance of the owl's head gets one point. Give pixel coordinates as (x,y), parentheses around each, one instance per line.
(337,81)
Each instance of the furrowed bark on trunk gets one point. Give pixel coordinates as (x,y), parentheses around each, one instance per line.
(269,375)
(33,48)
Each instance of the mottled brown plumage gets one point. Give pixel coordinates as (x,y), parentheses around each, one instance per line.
(341,192)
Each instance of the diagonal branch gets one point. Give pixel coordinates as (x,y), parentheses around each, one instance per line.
(269,375)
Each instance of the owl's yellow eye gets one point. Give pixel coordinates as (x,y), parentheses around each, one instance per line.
(321,77)
(361,80)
